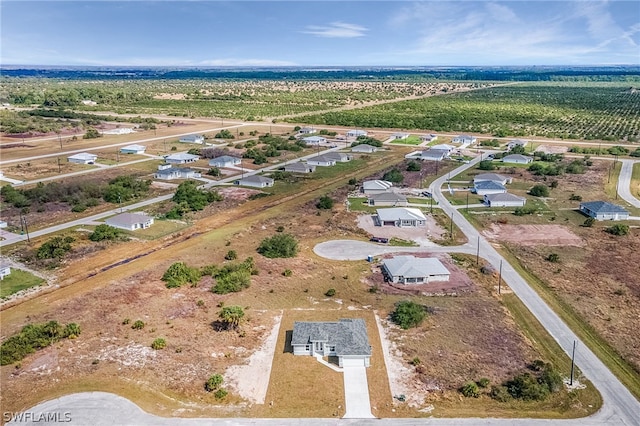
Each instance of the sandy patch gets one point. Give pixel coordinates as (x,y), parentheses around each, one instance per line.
(238,194)
(531,235)
(251,380)
(552,149)
(132,355)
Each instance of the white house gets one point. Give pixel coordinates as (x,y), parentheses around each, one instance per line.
(484,177)
(388,199)
(464,139)
(322,161)
(225,161)
(504,200)
(428,138)
(3,224)
(170,173)
(489,187)
(400,217)
(434,154)
(82,158)
(118,131)
(314,140)
(306,130)
(88,102)
(130,221)
(255,181)
(192,139)
(181,158)
(133,149)
(365,148)
(299,167)
(443,147)
(414,270)
(5,270)
(399,136)
(517,159)
(347,339)
(375,186)
(356,133)
(516,142)
(601,210)
(339,157)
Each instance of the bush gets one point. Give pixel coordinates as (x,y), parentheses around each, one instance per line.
(575,197)
(483,382)
(105,232)
(500,393)
(353,181)
(287,273)
(325,203)
(231,255)
(213,383)
(553,257)
(416,361)
(55,248)
(138,325)
(408,314)
(231,316)
(524,210)
(470,389)
(33,337)
(486,165)
(527,388)
(92,134)
(539,191)
(394,176)
(159,343)
(214,171)
(413,166)
(589,222)
(220,394)
(330,293)
(179,273)
(279,246)
(618,229)
(232,282)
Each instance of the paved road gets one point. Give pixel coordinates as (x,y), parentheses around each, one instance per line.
(624,183)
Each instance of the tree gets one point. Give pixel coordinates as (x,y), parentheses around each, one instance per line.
(213,383)
(214,171)
(408,314)
(280,245)
(618,229)
(231,316)
(194,198)
(539,191)
(394,176)
(470,389)
(105,232)
(486,165)
(413,166)
(325,203)
(92,134)
(179,273)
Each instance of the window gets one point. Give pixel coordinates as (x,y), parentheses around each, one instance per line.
(307,347)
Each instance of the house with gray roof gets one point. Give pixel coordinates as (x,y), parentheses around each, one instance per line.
(388,199)
(133,149)
(483,177)
(356,133)
(339,157)
(306,130)
(170,173)
(434,154)
(256,181)
(517,159)
(181,158)
(464,139)
(347,339)
(400,216)
(504,200)
(130,221)
(364,148)
(321,160)
(602,210)
(399,136)
(82,158)
(489,187)
(516,142)
(192,139)
(225,161)
(314,140)
(299,167)
(414,270)
(370,187)
(5,270)
(428,138)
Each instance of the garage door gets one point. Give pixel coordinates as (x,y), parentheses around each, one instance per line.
(353,362)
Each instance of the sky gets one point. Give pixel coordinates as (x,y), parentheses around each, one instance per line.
(319,33)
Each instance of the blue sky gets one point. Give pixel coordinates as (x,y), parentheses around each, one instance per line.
(322,33)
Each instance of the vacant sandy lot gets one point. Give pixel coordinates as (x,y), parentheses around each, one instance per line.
(531,235)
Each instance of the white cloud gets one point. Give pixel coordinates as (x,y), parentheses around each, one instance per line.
(236,62)
(336,30)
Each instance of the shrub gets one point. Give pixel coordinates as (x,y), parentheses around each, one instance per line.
(126,321)
(71,331)
(179,273)
(486,165)
(213,383)
(232,282)
(55,248)
(138,325)
(92,134)
(470,389)
(231,255)
(159,343)
(413,166)
(527,388)
(618,229)
(539,191)
(287,273)
(483,382)
(416,361)
(33,337)
(330,293)
(214,171)
(220,394)
(280,228)
(352,181)
(231,316)
(279,246)
(500,393)
(589,222)
(524,210)
(553,257)
(408,314)
(325,203)
(105,232)
(575,197)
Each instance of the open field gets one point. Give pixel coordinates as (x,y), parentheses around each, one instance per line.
(591,111)
(635,180)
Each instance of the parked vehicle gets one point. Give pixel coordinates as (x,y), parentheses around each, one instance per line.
(379,240)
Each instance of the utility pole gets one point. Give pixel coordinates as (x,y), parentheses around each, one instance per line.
(23,219)
(120,202)
(478,252)
(431,204)
(60,140)
(573,357)
(59,169)
(117,156)
(500,278)
(451,226)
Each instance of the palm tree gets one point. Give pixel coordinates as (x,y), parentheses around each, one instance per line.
(231,316)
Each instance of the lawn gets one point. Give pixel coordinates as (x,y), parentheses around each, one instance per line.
(160,228)
(18,280)
(411,140)
(635,180)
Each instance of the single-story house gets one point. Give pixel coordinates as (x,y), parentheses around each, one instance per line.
(375,186)
(82,158)
(347,339)
(314,140)
(434,154)
(88,102)
(517,159)
(400,216)
(602,210)
(399,136)
(321,160)
(414,270)
(170,173)
(364,147)
(388,199)
(489,187)
(356,133)
(484,177)
(464,139)
(181,158)
(443,147)
(306,130)
(5,270)
(504,200)
(255,181)
(118,131)
(3,224)
(133,149)
(299,167)
(130,221)
(339,157)
(428,138)
(516,142)
(192,139)
(225,161)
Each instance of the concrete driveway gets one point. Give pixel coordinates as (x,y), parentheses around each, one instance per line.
(356,393)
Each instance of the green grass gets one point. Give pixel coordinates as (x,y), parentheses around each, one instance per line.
(419,201)
(411,140)
(612,183)
(18,280)
(635,180)
(360,205)
(159,229)
(402,243)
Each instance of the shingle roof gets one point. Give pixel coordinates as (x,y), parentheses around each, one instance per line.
(489,184)
(128,219)
(490,176)
(414,267)
(314,139)
(603,207)
(434,153)
(256,178)
(376,184)
(503,197)
(83,156)
(224,159)
(363,147)
(348,335)
(182,156)
(338,156)
(517,157)
(299,167)
(400,213)
(133,148)
(388,196)
(321,159)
